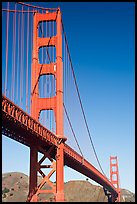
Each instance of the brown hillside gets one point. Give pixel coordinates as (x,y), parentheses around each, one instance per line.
(81,191)
(17,183)
(15,189)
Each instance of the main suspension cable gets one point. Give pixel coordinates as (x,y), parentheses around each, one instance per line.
(81,102)
(38,7)
(72,129)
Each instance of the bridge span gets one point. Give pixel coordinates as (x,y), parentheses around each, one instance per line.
(21,127)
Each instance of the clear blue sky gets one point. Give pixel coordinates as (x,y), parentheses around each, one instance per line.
(101,38)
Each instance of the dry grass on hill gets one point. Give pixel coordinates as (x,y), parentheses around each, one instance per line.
(15,189)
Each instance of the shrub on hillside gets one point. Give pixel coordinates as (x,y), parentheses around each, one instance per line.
(5,190)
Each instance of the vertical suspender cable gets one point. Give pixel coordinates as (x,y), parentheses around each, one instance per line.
(23,70)
(21,57)
(14,64)
(13,53)
(18,57)
(42,78)
(68,80)
(27,62)
(31,43)
(47,63)
(53,81)
(51,34)
(63,75)
(50,75)
(16,75)
(7,38)
(18,17)
(67,74)
(41,82)
(64,70)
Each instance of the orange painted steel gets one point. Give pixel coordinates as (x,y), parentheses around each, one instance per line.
(29,130)
(54,103)
(114,175)
(33,194)
(21,127)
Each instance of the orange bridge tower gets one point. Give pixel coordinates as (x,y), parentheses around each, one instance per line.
(114,175)
(54,103)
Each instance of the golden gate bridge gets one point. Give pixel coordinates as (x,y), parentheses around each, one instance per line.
(40,98)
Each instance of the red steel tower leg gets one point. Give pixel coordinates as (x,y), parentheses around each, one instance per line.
(114,175)
(54,103)
(33,171)
(59,114)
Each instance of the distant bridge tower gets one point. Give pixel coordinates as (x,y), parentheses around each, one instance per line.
(114,175)
(54,103)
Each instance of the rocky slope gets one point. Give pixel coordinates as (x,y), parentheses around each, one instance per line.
(15,189)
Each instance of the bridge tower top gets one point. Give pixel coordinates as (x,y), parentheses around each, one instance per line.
(54,103)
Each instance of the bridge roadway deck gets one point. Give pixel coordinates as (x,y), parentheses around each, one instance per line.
(20,126)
